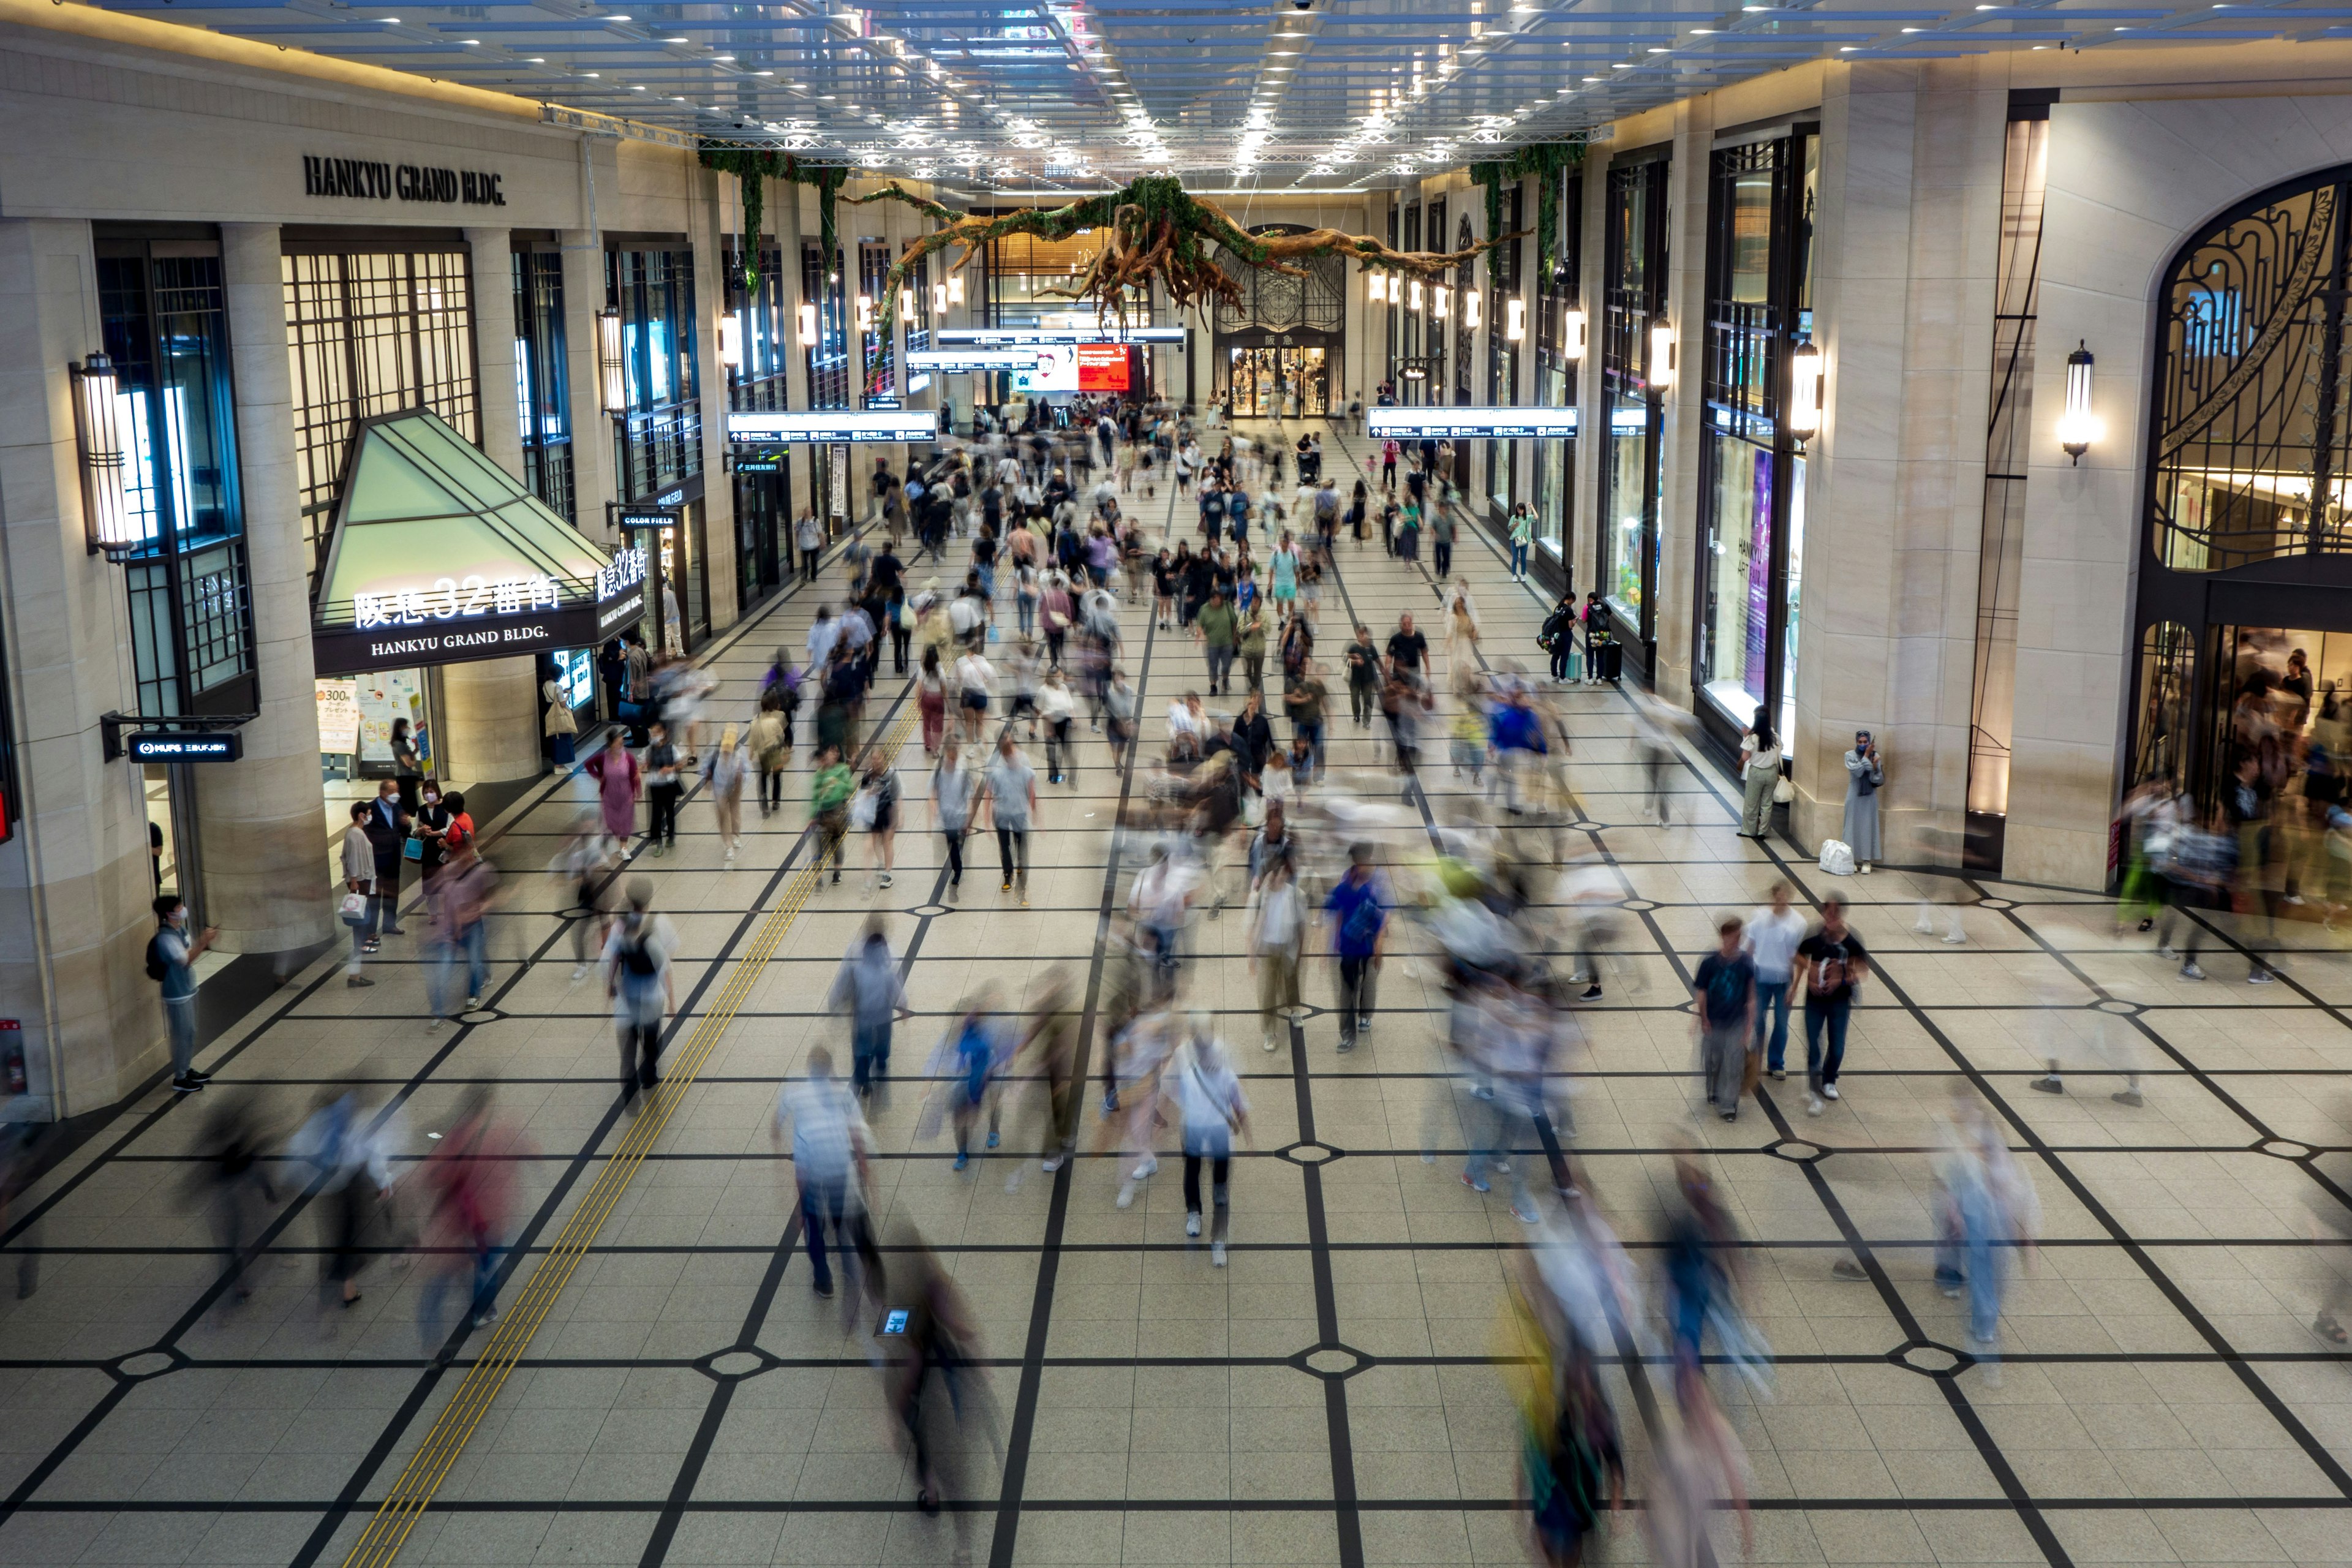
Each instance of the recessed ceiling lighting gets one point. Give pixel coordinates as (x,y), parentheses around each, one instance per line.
(1622,66)
(619,16)
(677,40)
(535,60)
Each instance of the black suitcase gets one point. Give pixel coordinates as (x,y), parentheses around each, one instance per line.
(1608,661)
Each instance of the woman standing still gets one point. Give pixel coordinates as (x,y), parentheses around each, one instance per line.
(1759,773)
(1523,532)
(1864,773)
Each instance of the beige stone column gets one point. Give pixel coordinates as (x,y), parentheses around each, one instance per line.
(74,883)
(1679,541)
(260,822)
(785,202)
(591,427)
(1583,542)
(712,198)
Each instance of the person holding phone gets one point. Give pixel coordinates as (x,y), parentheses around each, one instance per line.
(1864,775)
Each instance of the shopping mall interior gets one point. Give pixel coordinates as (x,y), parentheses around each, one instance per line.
(1745,1036)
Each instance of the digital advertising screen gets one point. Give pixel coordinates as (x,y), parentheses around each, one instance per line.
(1102,367)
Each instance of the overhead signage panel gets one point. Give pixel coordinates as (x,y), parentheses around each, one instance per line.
(848,425)
(1440,424)
(958,361)
(1013,337)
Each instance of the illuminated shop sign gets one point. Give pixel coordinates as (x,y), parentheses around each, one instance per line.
(1441,424)
(157,746)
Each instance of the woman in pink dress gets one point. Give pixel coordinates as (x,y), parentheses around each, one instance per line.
(618,783)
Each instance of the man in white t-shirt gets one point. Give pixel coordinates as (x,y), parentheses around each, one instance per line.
(1773,935)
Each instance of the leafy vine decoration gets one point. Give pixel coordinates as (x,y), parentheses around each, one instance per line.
(1545,160)
(1153,230)
(753,168)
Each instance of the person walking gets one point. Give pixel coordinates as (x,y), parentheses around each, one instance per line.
(1865,775)
(347,1153)
(1010,787)
(932,701)
(470,1178)
(808,536)
(727,768)
(1273,934)
(953,790)
(1217,628)
(1723,992)
(881,814)
(664,787)
(1831,963)
(639,982)
(829,793)
(469,887)
(619,782)
(359,889)
(771,745)
(1760,775)
(832,1154)
(1209,1097)
(1358,908)
(1363,663)
(1442,524)
(869,988)
(171,954)
(1772,938)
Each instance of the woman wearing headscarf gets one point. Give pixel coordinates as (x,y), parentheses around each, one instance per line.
(1864,776)
(1759,771)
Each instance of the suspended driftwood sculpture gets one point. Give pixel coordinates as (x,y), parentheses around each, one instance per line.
(1151,229)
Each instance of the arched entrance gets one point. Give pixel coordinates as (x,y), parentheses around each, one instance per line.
(2243,623)
(1278,352)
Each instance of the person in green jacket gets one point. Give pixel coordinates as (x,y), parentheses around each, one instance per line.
(1253,646)
(829,794)
(1219,630)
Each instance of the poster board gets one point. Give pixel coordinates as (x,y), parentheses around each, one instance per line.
(396,694)
(338,716)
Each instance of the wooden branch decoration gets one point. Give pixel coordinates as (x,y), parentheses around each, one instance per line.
(1152,229)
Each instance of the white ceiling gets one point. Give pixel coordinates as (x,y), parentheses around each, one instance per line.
(1351,93)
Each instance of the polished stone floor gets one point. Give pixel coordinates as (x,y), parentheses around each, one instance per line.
(1327,1399)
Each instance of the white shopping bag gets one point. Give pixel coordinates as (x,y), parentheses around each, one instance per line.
(1837,858)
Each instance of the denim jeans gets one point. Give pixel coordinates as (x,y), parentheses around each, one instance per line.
(1220,665)
(1820,1069)
(1518,560)
(869,1050)
(437,1289)
(1312,733)
(1772,1004)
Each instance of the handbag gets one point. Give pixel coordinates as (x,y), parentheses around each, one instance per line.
(1784,791)
(411,849)
(354,908)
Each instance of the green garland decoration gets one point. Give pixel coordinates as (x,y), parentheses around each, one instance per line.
(754,168)
(1546,161)
(1155,231)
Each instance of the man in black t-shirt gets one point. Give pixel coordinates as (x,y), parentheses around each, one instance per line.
(1831,964)
(1408,651)
(1363,665)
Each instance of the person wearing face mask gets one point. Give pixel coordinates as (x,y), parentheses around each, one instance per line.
(386,826)
(1864,773)
(171,954)
(431,830)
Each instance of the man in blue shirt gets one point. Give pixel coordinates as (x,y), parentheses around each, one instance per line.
(1358,905)
(1515,741)
(172,955)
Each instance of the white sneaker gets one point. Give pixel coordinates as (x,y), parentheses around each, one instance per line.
(579,971)
(1050,1166)
(1192,1223)
(1269,1039)
(1829,1091)
(1217,1253)
(1150,1166)
(1813,1105)
(1126,1194)
(2190,971)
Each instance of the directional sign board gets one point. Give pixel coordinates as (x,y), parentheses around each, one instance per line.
(1013,337)
(958,361)
(849,424)
(1440,423)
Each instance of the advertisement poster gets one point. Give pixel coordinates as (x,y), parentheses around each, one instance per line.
(381,700)
(338,716)
(1056,369)
(1102,367)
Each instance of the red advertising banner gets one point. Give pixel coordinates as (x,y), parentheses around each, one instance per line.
(1102,367)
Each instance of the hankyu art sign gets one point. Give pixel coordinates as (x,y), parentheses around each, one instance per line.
(368,180)
(451,620)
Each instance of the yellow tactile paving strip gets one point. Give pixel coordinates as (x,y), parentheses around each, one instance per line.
(413,1493)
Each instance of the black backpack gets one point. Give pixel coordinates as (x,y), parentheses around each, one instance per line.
(157,969)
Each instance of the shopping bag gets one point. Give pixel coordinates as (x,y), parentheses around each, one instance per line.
(1837,858)
(354,908)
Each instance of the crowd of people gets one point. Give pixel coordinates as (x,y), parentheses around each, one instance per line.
(1338,874)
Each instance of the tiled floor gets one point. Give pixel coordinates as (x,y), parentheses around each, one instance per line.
(1325,1400)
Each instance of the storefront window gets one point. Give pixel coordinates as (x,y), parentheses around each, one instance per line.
(371,332)
(828,358)
(1558,380)
(166,331)
(543,397)
(1752,487)
(1633,293)
(660,437)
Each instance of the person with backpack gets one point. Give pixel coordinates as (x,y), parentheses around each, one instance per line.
(638,981)
(1723,992)
(1558,636)
(1831,963)
(770,742)
(1357,905)
(1208,1094)
(171,954)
